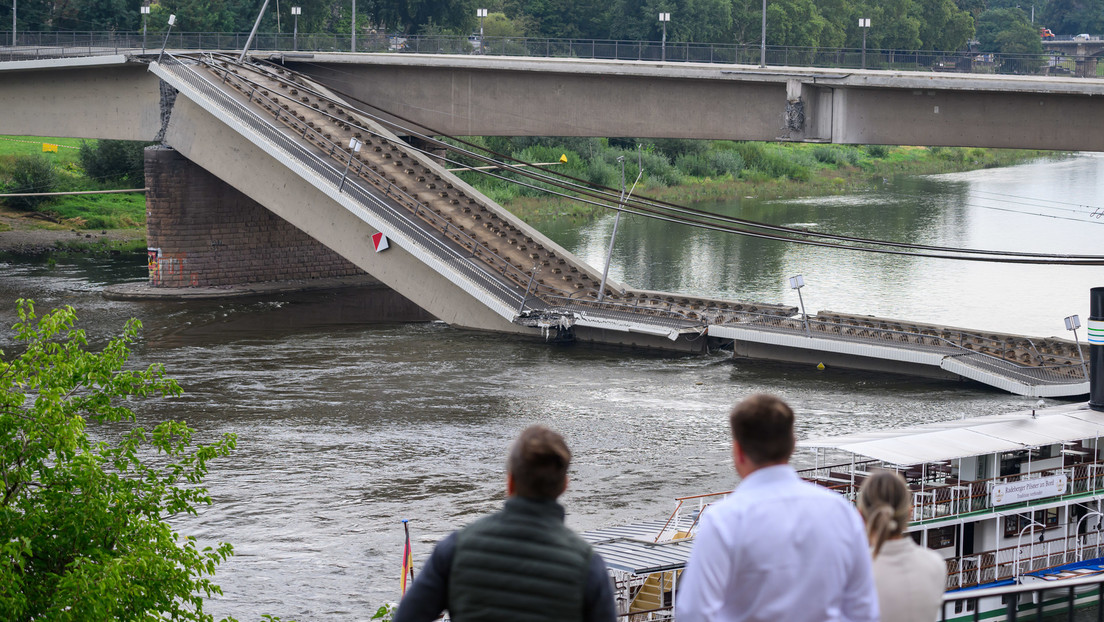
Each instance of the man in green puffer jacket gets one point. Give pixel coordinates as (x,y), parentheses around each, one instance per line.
(521,564)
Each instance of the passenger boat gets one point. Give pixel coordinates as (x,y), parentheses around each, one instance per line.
(1005,499)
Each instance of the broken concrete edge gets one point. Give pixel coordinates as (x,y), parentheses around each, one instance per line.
(142,290)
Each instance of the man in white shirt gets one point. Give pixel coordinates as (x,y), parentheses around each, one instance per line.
(778,548)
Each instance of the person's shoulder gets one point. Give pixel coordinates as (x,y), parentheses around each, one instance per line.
(935,560)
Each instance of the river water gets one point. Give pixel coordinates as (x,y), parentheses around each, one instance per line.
(345,429)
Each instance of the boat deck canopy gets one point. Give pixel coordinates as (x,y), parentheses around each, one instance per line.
(641,558)
(961,438)
(646,531)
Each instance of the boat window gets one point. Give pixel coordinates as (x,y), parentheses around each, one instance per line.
(984,467)
(1014,525)
(943,537)
(1011,461)
(1044,452)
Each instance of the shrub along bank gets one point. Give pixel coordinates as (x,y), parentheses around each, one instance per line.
(675,170)
(30,165)
(686,171)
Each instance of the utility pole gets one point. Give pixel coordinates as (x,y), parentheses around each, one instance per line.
(295,35)
(145,17)
(763,38)
(663,19)
(14,3)
(353,28)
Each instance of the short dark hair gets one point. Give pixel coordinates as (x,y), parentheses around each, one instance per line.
(538,463)
(763,427)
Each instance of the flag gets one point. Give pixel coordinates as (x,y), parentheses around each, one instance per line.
(47,147)
(408,559)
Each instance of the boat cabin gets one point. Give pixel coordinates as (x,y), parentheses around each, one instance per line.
(1001,497)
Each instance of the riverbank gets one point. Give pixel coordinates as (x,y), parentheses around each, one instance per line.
(25,234)
(839,170)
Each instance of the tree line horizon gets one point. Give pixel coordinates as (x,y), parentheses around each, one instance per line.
(997,26)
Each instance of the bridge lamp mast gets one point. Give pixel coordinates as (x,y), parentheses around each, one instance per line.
(172,20)
(797,282)
(864,23)
(763,38)
(353,28)
(295,11)
(663,19)
(1073,322)
(481,13)
(145,16)
(14,3)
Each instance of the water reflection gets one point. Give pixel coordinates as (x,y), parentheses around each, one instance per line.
(1018,208)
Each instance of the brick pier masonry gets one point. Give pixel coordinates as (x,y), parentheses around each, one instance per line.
(206,239)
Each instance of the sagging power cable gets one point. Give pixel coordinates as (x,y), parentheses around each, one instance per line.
(668,212)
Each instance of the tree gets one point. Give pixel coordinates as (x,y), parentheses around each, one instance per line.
(1007,31)
(944,26)
(1074,17)
(31,173)
(83,531)
(113,160)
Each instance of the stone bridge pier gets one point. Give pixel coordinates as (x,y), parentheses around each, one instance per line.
(204,238)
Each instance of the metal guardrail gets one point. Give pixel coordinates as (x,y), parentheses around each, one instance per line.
(1058,374)
(625,312)
(450,256)
(32,45)
(1055,601)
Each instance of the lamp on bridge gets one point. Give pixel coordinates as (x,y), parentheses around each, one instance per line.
(295,11)
(763,38)
(481,13)
(663,19)
(797,282)
(354,148)
(145,16)
(172,20)
(14,7)
(1073,322)
(864,23)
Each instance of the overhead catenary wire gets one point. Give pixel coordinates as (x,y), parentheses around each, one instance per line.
(669,212)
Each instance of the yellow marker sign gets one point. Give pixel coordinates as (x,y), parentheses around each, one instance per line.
(47,147)
(563,158)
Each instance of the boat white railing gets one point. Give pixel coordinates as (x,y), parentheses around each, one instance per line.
(1024,558)
(695,503)
(938,494)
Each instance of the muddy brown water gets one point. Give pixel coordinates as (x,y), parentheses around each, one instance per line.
(347,428)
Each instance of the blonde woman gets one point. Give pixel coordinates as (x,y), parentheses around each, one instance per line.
(910,579)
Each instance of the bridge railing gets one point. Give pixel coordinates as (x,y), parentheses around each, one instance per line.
(433,244)
(51,44)
(969,349)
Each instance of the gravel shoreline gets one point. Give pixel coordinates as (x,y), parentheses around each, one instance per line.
(38,241)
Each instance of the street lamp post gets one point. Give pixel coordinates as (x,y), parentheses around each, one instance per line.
(797,282)
(481,13)
(353,27)
(172,20)
(14,7)
(145,16)
(663,19)
(864,23)
(1073,322)
(763,38)
(295,33)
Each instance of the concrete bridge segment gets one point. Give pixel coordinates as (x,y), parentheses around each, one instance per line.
(502,96)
